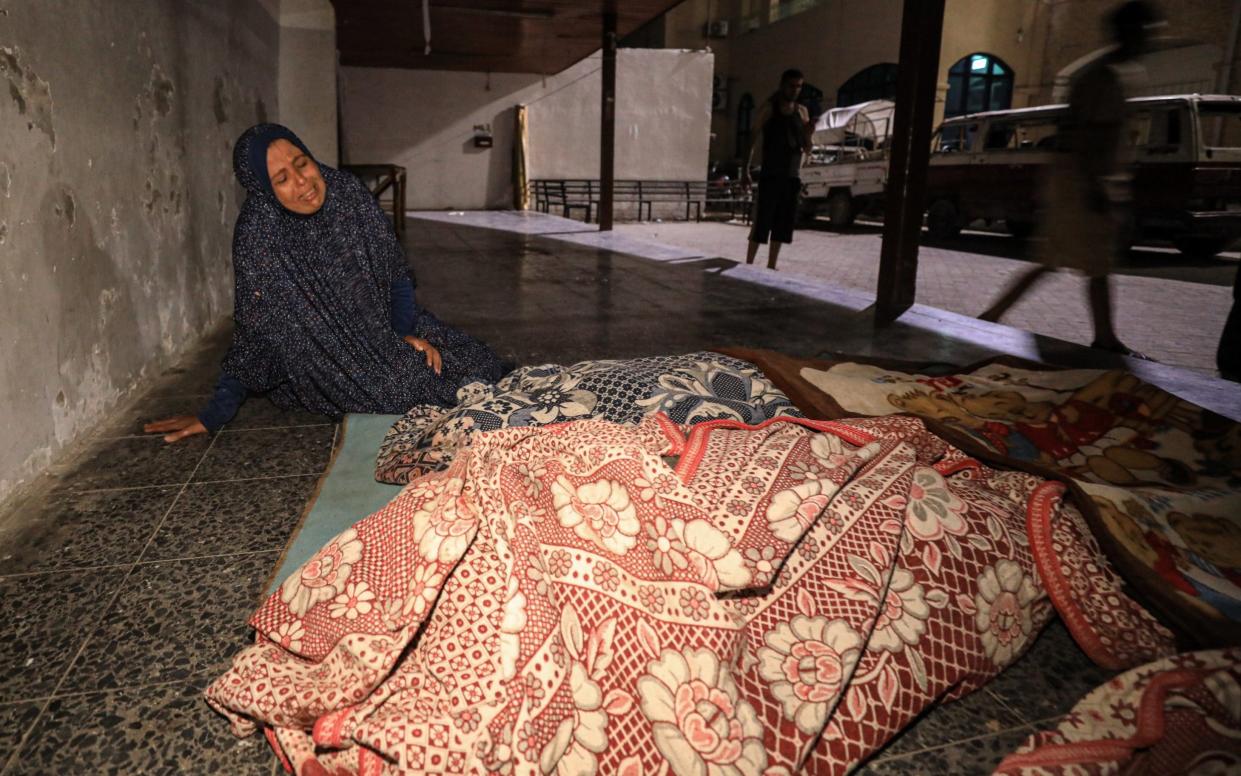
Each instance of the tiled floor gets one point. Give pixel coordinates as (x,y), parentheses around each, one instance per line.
(129,588)
(129,585)
(688,294)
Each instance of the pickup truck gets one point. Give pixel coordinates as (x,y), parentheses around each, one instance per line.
(848,167)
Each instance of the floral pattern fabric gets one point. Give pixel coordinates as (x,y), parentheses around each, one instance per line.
(1177,715)
(1112,628)
(1163,477)
(687,388)
(782,597)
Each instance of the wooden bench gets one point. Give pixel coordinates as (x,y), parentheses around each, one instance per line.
(538,190)
(565,196)
(692,193)
(623,193)
(379,178)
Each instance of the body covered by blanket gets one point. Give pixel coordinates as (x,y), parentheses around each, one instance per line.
(563,599)
(688,388)
(1177,715)
(1163,475)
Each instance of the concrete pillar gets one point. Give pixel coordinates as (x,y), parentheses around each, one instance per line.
(607,135)
(922,25)
(307,76)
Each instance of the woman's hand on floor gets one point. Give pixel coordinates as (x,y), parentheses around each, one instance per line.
(433,356)
(176,428)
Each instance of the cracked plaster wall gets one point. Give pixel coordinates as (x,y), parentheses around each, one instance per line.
(117,198)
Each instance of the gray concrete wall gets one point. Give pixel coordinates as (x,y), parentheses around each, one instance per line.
(307,83)
(663,119)
(117,199)
(424,119)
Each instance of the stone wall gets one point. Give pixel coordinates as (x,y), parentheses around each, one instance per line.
(1040,40)
(837,39)
(1194,40)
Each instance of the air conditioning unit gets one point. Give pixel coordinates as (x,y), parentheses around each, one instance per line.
(717,28)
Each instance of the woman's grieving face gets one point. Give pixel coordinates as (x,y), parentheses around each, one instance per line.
(295,178)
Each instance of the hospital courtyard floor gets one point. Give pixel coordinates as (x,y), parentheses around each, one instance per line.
(127,588)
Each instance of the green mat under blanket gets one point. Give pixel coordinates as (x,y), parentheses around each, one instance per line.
(347,492)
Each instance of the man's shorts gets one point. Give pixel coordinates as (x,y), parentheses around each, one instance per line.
(775,209)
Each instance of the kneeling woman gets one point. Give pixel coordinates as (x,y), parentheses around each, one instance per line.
(324,310)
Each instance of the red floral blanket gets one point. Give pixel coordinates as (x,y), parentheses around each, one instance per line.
(1163,475)
(783,596)
(1177,715)
(1159,478)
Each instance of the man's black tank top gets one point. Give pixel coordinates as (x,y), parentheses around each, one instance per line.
(782,143)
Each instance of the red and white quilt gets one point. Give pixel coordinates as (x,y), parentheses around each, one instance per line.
(594,598)
(1177,715)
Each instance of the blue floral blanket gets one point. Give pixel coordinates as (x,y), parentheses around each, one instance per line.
(688,388)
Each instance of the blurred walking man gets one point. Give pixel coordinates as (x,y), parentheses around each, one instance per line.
(1086,199)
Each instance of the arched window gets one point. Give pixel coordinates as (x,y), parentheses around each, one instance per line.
(977,83)
(745,117)
(877,82)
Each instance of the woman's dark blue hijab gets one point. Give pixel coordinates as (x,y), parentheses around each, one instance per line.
(312,305)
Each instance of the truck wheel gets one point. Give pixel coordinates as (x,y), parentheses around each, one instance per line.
(1019,229)
(1128,235)
(807,214)
(1200,247)
(840,209)
(942,220)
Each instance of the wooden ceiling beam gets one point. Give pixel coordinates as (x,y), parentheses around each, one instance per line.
(525,36)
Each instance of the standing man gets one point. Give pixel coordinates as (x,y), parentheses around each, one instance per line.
(782,127)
